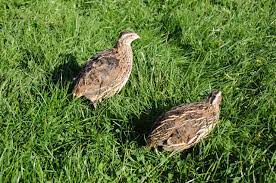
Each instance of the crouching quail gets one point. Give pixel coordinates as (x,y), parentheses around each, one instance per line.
(185,125)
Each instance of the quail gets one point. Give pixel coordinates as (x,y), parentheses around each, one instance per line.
(106,73)
(185,125)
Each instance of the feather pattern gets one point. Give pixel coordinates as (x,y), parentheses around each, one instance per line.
(185,125)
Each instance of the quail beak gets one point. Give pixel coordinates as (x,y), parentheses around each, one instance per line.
(136,36)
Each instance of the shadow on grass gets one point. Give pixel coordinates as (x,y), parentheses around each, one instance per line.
(65,73)
(141,125)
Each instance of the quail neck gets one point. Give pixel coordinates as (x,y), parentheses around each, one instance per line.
(124,50)
(214,99)
(123,46)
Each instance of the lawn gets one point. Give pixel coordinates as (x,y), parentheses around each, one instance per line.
(187,48)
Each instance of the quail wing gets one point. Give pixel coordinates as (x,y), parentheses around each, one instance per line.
(98,76)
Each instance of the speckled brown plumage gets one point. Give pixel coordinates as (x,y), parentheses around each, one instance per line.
(185,125)
(106,72)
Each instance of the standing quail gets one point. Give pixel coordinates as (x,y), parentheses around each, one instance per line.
(185,125)
(106,72)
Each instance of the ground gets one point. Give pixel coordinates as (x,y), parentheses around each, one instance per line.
(187,48)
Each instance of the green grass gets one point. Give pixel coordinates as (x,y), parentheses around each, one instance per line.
(187,48)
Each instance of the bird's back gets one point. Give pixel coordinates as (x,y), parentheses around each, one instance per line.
(97,74)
